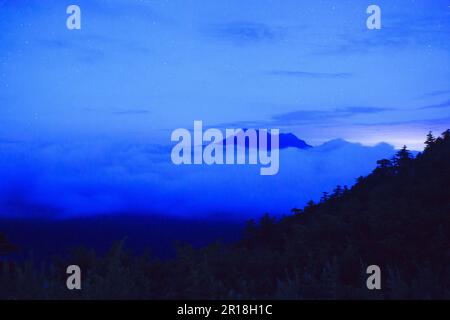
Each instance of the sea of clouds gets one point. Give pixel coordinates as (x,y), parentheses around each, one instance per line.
(92,178)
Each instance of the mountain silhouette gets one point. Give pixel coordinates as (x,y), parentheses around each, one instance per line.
(286,140)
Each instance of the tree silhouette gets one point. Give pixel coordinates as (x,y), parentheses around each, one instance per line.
(384,164)
(402,158)
(384,167)
(338,191)
(430,141)
(446,135)
(325,197)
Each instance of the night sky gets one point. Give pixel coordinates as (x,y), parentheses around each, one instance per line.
(139,69)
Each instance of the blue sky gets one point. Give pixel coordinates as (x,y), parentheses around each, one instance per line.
(139,69)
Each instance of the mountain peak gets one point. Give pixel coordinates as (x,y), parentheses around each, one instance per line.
(290,140)
(286,140)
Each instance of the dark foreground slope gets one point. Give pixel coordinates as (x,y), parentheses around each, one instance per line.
(42,238)
(398,218)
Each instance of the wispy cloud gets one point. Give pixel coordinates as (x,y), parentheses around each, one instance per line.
(428,123)
(130,112)
(436,93)
(311,115)
(90,48)
(427,31)
(445,104)
(241,33)
(308,117)
(307,74)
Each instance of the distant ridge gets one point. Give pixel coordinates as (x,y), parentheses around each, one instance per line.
(290,140)
(286,140)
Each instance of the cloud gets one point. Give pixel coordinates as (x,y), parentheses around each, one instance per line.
(444,104)
(242,33)
(306,74)
(130,112)
(422,31)
(435,93)
(307,117)
(73,179)
(91,48)
(427,123)
(313,115)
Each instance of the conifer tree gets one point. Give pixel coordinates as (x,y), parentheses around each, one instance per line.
(446,135)
(402,158)
(430,141)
